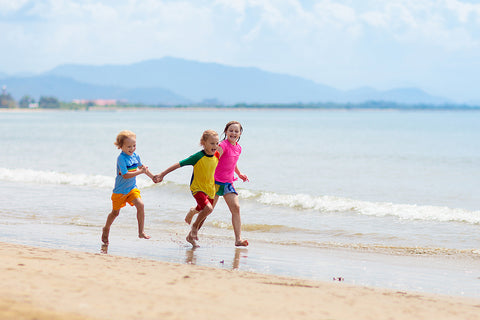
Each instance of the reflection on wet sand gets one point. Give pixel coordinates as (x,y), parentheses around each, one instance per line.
(240,253)
(190,256)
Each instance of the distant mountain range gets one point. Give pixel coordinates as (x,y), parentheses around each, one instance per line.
(172,81)
(67,89)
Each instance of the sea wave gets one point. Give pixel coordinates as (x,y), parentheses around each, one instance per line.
(62,178)
(386,249)
(259,227)
(302,202)
(332,204)
(343,240)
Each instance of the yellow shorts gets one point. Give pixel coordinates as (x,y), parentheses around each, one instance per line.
(120,200)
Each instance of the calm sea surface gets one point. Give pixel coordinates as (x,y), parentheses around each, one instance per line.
(331,193)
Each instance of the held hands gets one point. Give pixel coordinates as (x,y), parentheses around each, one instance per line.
(157,178)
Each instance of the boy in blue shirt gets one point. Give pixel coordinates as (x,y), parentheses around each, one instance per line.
(125,191)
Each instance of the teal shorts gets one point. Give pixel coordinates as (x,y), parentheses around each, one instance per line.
(224,188)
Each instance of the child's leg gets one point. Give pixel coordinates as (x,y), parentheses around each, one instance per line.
(192,212)
(191,239)
(233,204)
(138,203)
(215,200)
(202,215)
(106,230)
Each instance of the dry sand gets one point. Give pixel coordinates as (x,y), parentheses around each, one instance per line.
(40,283)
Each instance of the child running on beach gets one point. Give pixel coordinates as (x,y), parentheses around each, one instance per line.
(202,184)
(229,151)
(128,167)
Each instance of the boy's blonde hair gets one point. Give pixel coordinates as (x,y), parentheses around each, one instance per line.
(207,134)
(125,134)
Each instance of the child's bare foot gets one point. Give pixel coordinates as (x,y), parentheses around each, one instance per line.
(190,214)
(104,248)
(143,236)
(105,232)
(241,243)
(194,233)
(191,239)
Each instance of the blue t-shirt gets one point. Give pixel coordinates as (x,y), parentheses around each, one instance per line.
(125,164)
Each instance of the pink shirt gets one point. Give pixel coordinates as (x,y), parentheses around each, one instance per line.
(227,162)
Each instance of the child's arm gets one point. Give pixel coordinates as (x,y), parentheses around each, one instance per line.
(220,151)
(135,173)
(159,177)
(148,173)
(240,175)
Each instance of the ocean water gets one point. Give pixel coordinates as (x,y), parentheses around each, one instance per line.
(382,198)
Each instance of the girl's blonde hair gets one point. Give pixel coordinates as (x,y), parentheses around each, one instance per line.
(207,134)
(122,136)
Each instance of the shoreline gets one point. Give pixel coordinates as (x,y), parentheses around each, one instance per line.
(44,283)
(406,108)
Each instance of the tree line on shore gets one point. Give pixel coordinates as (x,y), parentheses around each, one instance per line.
(50,102)
(7,101)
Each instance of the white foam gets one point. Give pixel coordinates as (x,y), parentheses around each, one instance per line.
(378,209)
(297,201)
(52,177)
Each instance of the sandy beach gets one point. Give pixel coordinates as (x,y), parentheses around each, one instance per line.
(40,283)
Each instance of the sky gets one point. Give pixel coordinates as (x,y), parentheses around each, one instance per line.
(383,44)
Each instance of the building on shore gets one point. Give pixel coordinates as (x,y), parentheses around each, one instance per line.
(96,102)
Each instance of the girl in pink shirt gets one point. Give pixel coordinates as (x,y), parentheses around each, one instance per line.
(230,150)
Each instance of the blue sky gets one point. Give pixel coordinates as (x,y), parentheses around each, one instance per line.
(433,45)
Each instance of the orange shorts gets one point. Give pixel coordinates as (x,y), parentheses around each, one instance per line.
(120,200)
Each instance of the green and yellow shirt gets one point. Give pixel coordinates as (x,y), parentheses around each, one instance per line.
(203,172)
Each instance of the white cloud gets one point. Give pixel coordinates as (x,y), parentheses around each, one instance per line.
(334,13)
(9,6)
(375,19)
(464,11)
(436,23)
